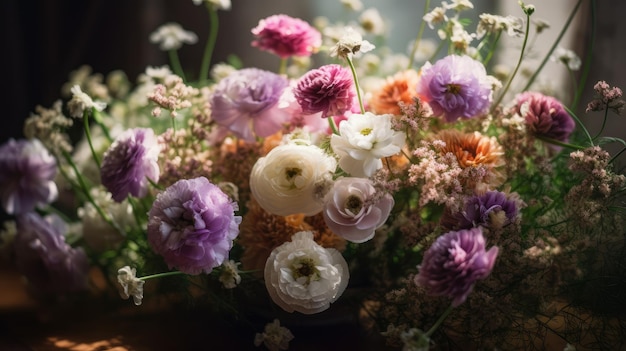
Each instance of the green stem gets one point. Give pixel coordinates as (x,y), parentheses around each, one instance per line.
(105,129)
(356,84)
(282,68)
(556,43)
(439,321)
(178,69)
(580,124)
(210,44)
(588,56)
(332,125)
(419,36)
(559,143)
(492,48)
(519,63)
(160,275)
(88,136)
(606,114)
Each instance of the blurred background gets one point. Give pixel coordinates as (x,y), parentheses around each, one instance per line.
(44,40)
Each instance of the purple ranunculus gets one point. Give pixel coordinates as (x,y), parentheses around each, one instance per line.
(491,210)
(455,86)
(328,89)
(353,211)
(49,264)
(454,262)
(27,172)
(545,115)
(286,36)
(247,103)
(192,224)
(130,162)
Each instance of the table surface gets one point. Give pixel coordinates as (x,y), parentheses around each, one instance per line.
(24,325)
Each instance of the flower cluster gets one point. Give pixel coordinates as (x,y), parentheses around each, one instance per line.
(466,208)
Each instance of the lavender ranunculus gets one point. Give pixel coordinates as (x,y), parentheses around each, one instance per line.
(130,162)
(27,172)
(286,36)
(192,224)
(328,89)
(354,211)
(492,209)
(456,86)
(247,103)
(49,264)
(454,262)
(545,115)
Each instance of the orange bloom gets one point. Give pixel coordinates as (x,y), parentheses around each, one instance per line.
(261,232)
(474,150)
(399,88)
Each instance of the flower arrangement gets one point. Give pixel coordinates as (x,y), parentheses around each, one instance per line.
(459,209)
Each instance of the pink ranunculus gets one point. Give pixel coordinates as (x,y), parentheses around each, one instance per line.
(286,36)
(354,211)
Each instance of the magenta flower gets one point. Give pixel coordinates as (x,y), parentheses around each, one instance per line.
(455,87)
(545,116)
(454,262)
(49,264)
(354,211)
(192,224)
(286,36)
(328,89)
(490,210)
(130,162)
(246,103)
(27,172)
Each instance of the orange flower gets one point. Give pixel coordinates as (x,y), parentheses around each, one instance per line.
(261,232)
(399,88)
(473,150)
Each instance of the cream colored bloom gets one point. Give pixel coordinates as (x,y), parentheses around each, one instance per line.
(354,5)
(289,178)
(81,102)
(98,234)
(217,4)
(350,43)
(435,16)
(567,57)
(172,36)
(372,22)
(274,337)
(131,285)
(301,275)
(363,141)
(229,277)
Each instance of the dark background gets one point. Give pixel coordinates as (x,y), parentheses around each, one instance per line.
(44,40)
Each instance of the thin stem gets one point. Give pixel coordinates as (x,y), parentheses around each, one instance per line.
(493,48)
(559,143)
(210,44)
(558,40)
(356,84)
(519,63)
(580,124)
(439,321)
(332,125)
(105,129)
(606,114)
(88,136)
(161,275)
(282,68)
(178,69)
(588,56)
(419,36)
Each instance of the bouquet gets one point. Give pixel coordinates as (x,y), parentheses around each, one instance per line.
(452,208)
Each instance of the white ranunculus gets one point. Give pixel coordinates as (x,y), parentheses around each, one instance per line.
(363,141)
(291,178)
(301,275)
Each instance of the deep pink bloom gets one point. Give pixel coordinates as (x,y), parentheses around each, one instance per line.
(192,224)
(27,172)
(354,211)
(545,115)
(247,103)
(454,262)
(286,36)
(130,162)
(328,89)
(455,87)
(49,264)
